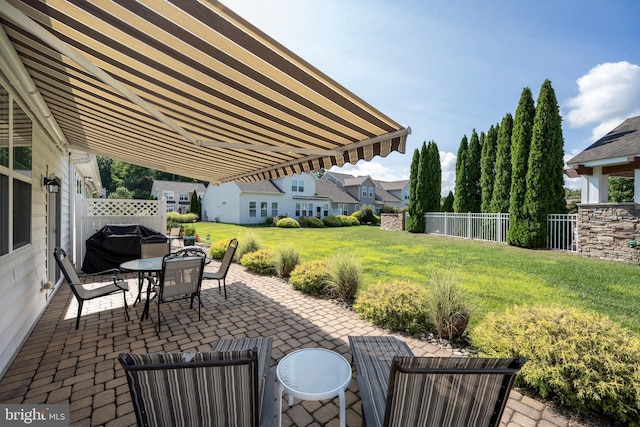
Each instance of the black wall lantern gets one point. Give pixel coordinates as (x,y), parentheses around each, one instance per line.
(52,184)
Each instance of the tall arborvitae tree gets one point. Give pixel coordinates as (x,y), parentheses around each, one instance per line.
(422,189)
(447,205)
(461,200)
(414,201)
(488,167)
(545,182)
(434,176)
(520,146)
(502,185)
(473,175)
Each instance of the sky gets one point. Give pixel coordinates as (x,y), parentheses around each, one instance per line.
(445,68)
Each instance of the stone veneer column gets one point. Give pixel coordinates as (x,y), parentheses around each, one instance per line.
(389,221)
(604,229)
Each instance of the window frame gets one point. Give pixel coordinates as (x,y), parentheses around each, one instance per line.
(253,209)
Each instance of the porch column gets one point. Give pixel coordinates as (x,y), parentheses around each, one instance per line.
(595,188)
(636,185)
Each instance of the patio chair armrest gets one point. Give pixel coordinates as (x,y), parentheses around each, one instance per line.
(120,283)
(113,271)
(266,413)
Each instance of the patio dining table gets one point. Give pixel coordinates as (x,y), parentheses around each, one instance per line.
(147,265)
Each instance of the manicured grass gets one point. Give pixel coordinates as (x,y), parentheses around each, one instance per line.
(495,276)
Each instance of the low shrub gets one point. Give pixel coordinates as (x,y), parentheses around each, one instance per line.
(400,306)
(269,221)
(189,230)
(331,221)
(260,262)
(448,309)
(357,215)
(366,215)
(310,277)
(286,259)
(218,248)
(376,220)
(345,220)
(248,243)
(287,223)
(311,222)
(584,360)
(345,275)
(176,217)
(388,209)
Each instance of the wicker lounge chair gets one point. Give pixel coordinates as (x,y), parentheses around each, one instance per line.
(399,389)
(221,274)
(88,291)
(195,389)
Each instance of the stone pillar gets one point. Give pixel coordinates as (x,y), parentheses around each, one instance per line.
(392,221)
(605,229)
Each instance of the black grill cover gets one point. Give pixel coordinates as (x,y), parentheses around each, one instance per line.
(114,244)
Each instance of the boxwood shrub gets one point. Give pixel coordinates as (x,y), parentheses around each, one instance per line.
(310,277)
(218,248)
(287,223)
(587,362)
(331,221)
(311,222)
(400,306)
(260,262)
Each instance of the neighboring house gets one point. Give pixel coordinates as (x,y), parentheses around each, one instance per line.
(177,194)
(398,189)
(300,195)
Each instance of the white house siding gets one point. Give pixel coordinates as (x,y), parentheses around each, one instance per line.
(221,203)
(21,271)
(246,198)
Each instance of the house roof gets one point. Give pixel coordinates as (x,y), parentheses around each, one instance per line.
(185,87)
(179,186)
(347,179)
(384,196)
(259,187)
(393,185)
(337,194)
(623,141)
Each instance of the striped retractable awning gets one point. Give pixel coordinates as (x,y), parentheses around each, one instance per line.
(190,88)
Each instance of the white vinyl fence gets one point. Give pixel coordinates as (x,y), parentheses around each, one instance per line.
(493,227)
(93,214)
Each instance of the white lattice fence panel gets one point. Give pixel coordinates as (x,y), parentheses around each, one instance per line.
(108,207)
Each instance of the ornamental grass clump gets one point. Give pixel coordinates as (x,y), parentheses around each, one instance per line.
(248,243)
(285,260)
(260,262)
(585,361)
(345,275)
(399,306)
(310,277)
(449,311)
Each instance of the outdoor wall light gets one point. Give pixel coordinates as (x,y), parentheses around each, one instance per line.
(53,184)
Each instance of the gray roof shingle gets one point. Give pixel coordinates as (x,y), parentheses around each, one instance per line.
(623,141)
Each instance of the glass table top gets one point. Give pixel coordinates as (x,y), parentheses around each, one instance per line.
(314,371)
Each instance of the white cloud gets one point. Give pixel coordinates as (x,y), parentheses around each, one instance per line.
(607,95)
(448,165)
(373,169)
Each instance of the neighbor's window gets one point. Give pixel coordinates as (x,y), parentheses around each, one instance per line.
(344,209)
(300,186)
(184,197)
(168,195)
(325,210)
(297,210)
(364,191)
(252,209)
(274,208)
(263,209)
(371,192)
(294,185)
(15,175)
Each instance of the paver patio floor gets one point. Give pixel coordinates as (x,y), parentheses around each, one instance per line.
(59,364)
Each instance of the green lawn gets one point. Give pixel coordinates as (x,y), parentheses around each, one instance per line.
(496,276)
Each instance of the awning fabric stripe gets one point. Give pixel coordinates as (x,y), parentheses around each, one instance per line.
(207,71)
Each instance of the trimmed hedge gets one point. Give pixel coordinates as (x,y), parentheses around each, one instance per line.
(311,222)
(400,306)
(287,223)
(218,248)
(331,221)
(584,360)
(310,277)
(260,262)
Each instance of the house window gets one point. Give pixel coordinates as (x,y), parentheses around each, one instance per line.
(297,185)
(406,195)
(297,209)
(274,208)
(170,208)
(184,197)
(371,192)
(15,175)
(263,209)
(252,209)
(168,195)
(343,209)
(325,209)
(300,186)
(364,191)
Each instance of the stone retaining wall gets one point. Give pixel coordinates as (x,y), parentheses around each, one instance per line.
(389,221)
(605,229)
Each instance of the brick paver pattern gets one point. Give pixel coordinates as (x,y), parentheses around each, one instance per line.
(59,364)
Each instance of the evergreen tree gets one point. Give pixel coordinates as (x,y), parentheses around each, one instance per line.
(473,174)
(422,186)
(488,167)
(520,146)
(545,182)
(193,204)
(413,209)
(502,185)
(434,176)
(447,205)
(461,199)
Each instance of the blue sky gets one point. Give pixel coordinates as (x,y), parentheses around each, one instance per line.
(445,68)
